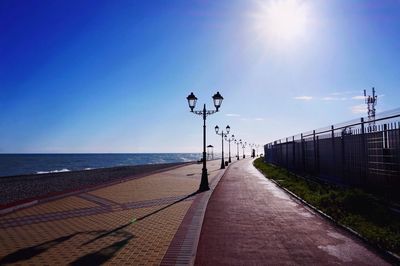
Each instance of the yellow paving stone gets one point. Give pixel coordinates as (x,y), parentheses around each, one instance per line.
(140,236)
(68,240)
(64,204)
(148,188)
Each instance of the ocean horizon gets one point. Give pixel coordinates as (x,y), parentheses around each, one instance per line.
(12,164)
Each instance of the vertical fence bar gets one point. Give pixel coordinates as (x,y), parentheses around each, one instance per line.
(287,153)
(294,154)
(280,153)
(386,162)
(318,158)
(315,152)
(385,136)
(333,165)
(343,158)
(365,154)
(303,159)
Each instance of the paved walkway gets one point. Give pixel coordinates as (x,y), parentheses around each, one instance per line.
(250,221)
(94,227)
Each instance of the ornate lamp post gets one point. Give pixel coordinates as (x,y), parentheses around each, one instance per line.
(244,144)
(217,98)
(229,140)
(251,145)
(223,135)
(237,142)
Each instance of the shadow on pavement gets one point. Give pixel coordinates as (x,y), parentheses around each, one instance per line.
(140,219)
(103,255)
(30,252)
(95,258)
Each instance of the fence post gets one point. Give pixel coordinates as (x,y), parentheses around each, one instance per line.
(333,151)
(294,154)
(385,136)
(318,158)
(365,155)
(315,153)
(280,153)
(343,159)
(287,153)
(303,158)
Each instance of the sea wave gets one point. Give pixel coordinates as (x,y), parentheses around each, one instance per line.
(53,171)
(183,159)
(55,163)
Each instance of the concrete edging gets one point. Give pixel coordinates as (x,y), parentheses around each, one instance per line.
(393,258)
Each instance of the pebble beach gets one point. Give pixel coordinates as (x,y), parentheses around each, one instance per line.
(23,187)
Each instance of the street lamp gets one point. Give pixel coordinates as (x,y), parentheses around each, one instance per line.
(223,135)
(237,142)
(217,99)
(243,146)
(210,152)
(257,145)
(229,140)
(251,149)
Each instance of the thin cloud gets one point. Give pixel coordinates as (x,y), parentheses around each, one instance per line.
(259,119)
(342,93)
(303,98)
(358,97)
(334,98)
(359,109)
(233,115)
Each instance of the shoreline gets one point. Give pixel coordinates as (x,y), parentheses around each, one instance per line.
(24,187)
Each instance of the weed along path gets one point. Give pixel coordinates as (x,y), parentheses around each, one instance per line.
(249,221)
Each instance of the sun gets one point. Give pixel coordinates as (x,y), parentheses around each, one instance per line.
(282,21)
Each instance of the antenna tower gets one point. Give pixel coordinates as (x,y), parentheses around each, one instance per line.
(371,102)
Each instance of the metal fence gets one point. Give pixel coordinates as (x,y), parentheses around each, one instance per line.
(356,153)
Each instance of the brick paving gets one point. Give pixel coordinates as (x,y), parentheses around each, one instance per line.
(94,227)
(251,221)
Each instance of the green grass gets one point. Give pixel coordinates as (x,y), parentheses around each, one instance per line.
(351,207)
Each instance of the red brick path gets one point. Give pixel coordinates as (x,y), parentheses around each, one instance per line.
(250,221)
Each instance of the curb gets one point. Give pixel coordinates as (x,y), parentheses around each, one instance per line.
(389,256)
(183,247)
(21,204)
(218,179)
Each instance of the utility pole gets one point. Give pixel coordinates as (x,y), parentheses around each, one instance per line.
(371,102)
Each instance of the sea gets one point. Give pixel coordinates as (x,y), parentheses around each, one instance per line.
(24,164)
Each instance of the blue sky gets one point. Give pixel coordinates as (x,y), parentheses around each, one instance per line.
(112,76)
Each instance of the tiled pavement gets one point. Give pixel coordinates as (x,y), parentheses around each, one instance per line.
(95,227)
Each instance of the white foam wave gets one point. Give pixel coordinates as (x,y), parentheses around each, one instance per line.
(53,171)
(183,159)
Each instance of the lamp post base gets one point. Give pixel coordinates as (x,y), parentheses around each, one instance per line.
(204,181)
(244,156)
(222,164)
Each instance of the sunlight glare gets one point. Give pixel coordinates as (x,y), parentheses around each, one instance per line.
(282,21)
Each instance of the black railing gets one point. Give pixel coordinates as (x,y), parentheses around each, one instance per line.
(357,153)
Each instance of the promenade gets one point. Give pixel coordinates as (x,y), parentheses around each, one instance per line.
(147,220)
(158,219)
(250,221)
